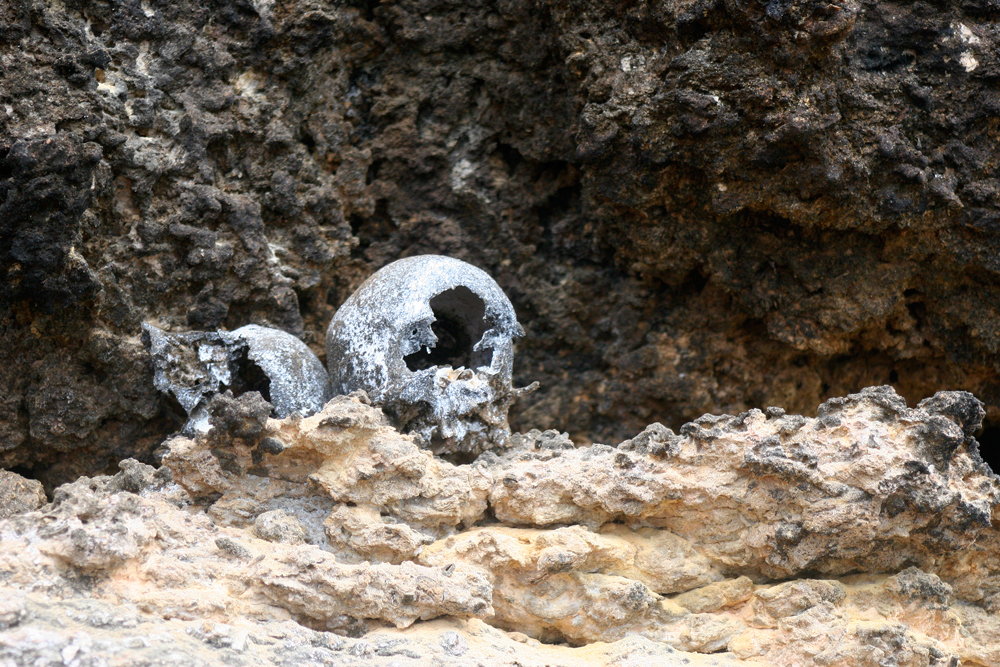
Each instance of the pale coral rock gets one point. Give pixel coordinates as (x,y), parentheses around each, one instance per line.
(364,531)
(717,595)
(279,526)
(312,585)
(865,536)
(360,459)
(869,485)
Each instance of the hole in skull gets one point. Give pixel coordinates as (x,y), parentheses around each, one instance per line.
(250,377)
(459,323)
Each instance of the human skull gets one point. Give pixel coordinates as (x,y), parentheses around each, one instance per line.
(430,339)
(196,365)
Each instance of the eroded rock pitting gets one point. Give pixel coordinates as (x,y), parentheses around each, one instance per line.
(867,533)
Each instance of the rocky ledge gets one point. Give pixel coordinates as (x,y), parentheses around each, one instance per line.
(867,535)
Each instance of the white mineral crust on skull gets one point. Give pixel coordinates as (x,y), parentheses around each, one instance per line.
(431,340)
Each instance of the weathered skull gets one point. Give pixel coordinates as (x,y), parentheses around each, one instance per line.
(195,365)
(431,339)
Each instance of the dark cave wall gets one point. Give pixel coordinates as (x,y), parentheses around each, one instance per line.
(695,206)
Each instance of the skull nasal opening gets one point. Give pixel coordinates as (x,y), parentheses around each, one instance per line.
(459,323)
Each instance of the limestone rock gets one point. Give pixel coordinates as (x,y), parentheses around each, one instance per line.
(96,632)
(863,536)
(868,485)
(279,526)
(717,595)
(364,531)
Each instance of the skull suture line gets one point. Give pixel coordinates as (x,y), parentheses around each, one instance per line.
(431,339)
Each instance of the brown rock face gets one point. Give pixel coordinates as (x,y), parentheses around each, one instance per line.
(18,494)
(866,536)
(695,206)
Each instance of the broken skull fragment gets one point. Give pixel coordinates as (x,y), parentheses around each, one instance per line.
(196,365)
(429,338)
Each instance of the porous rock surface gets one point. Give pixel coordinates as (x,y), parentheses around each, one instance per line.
(695,205)
(18,494)
(866,536)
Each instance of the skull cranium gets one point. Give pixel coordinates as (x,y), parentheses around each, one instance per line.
(431,339)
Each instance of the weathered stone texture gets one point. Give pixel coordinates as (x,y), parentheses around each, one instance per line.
(866,536)
(695,207)
(18,494)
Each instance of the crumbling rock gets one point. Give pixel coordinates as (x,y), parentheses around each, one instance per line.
(364,531)
(312,585)
(279,526)
(848,539)
(96,527)
(98,631)
(576,585)
(18,494)
(866,486)
(363,461)
(861,487)
(658,559)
